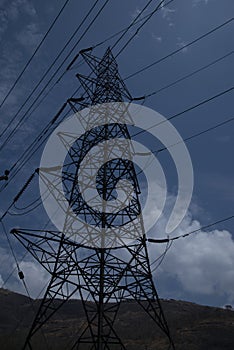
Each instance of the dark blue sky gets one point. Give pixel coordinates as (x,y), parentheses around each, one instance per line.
(201,268)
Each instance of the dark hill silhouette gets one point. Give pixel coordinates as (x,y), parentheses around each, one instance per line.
(193,327)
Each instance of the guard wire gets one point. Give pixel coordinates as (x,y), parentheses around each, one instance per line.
(180,49)
(166,240)
(34,53)
(23,118)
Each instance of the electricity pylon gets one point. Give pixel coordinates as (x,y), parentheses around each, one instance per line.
(96,262)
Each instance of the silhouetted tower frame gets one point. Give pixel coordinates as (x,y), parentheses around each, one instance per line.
(104,275)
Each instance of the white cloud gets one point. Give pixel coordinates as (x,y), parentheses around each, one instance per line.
(135,13)
(19,14)
(198,2)
(202,263)
(30,36)
(157,38)
(29,8)
(22,6)
(3,21)
(182,44)
(1,281)
(12,10)
(36,277)
(167,14)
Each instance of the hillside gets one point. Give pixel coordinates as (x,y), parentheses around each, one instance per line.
(193,327)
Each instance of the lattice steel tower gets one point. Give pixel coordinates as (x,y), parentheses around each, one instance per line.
(104,259)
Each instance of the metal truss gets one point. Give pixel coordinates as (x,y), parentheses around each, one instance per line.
(101,269)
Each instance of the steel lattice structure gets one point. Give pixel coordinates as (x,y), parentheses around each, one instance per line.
(103,269)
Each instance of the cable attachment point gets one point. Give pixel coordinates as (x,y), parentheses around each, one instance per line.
(153,240)
(5,176)
(138,98)
(13,231)
(76,56)
(21,275)
(25,186)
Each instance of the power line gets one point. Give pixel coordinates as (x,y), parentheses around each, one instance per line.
(15,199)
(112,36)
(196,135)
(11,248)
(46,73)
(149,162)
(134,73)
(133,23)
(45,130)
(160,150)
(21,260)
(24,157)
(169,241)
(20,272)
(19,194)
(23,118)
(190,74)
(63,61)
(147,18)
(161,258)
(176,115)
(153,93)
(187,76)
(124,30)
(23,316)
(30,151)
(42,91)
(183,78)
(165,148)
(166,240)
(13,271)
(222,93)
(176,238)
(21,276)
(158,7)
(34,53)
(180,49)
